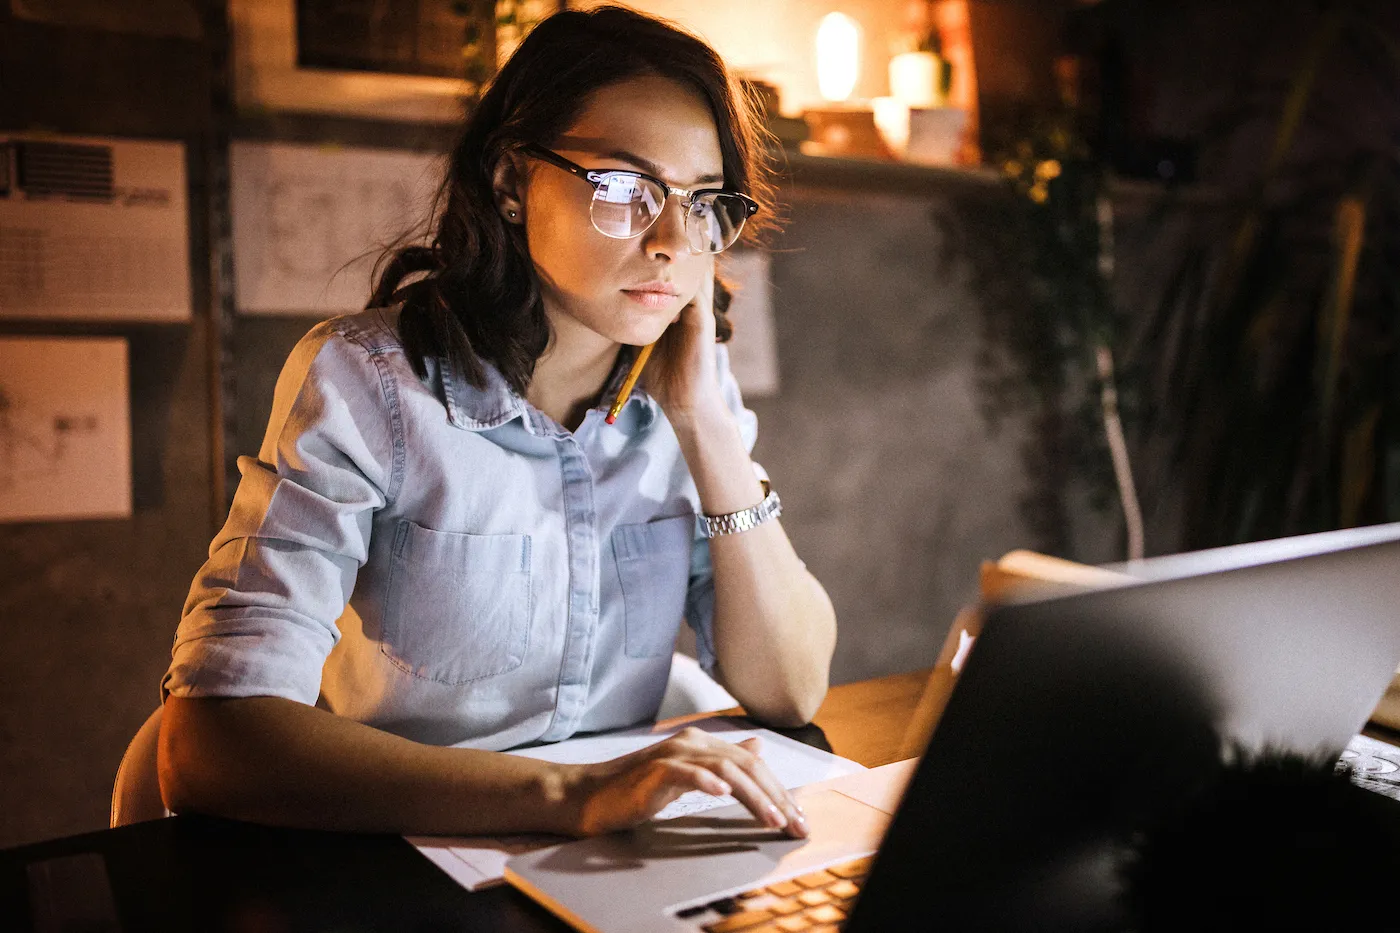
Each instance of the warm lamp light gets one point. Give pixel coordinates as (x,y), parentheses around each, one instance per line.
(914,79)
(838,56)
(892,120)
(841,128)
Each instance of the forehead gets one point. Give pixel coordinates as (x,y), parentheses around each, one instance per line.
(658,119)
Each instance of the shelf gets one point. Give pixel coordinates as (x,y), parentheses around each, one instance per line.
(853,173)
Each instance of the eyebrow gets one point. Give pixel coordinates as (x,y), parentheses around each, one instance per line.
(651,168)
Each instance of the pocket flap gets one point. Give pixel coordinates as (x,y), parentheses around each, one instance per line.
(664,535)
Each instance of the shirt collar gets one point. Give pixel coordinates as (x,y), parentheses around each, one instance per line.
(495,403)
(478,409)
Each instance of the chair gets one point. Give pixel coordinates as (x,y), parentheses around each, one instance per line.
(136,791)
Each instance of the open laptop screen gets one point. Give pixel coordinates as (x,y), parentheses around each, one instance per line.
(1076,718)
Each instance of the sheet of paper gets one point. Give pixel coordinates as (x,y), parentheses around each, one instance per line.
(881,788)
(479,861)
(65,429)
(93,228)
(309,222)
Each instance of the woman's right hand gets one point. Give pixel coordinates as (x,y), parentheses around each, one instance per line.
(630,790)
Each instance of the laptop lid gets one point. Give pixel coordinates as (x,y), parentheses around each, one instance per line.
(1077,718)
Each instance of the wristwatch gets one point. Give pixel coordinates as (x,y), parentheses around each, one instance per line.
(770,508)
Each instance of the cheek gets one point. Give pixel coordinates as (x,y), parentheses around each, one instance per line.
(572,260)
(690,276)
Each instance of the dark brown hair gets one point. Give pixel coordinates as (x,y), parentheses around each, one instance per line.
(479,299)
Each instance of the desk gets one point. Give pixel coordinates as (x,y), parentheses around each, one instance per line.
(212,876)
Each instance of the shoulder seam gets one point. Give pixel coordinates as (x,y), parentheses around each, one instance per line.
(390,390)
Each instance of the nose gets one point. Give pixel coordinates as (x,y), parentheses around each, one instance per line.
(666,239)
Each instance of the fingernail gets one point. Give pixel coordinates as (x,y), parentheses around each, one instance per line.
(721,789)
(775,817)
(799,823)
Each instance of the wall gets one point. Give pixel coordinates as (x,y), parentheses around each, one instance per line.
(87,609)
(897,487)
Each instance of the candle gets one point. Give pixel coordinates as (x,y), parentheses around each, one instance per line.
(914,79)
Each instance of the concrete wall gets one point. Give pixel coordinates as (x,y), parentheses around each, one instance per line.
(87,609)
(898,488)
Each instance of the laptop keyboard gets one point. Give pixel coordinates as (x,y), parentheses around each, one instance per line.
(813,903)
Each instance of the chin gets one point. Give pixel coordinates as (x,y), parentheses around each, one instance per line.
(640,328)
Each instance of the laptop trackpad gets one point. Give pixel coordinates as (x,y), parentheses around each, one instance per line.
(838,826)
(670,862)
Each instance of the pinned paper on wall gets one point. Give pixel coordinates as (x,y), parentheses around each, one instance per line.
(753,351)
(93,228)
(65,429)
(309,222)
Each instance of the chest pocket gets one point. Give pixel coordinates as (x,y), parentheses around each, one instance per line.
(653,568)
(458,605)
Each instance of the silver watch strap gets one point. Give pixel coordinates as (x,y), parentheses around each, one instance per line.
(712,526)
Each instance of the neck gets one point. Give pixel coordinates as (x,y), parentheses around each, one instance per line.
(571,372)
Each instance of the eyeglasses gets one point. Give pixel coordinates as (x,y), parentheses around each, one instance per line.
(627,204)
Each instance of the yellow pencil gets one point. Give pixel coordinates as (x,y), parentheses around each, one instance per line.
(632,375)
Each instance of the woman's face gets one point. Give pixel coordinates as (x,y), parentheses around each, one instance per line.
(625,291)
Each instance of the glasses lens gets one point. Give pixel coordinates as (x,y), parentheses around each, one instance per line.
(625,205)
(715,221)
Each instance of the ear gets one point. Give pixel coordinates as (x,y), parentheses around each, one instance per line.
(507,190)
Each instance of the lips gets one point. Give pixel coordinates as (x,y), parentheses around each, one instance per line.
(653,295)
(654,288)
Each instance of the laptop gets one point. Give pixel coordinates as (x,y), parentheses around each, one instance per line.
(1075,718)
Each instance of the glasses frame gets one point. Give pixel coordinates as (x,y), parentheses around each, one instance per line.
(596,177)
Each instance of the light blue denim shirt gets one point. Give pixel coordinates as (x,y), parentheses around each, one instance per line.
(447,563)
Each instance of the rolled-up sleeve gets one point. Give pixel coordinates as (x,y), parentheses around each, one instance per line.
(700,592)
(261,614)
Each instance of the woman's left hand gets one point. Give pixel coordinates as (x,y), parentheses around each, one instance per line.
(681,374)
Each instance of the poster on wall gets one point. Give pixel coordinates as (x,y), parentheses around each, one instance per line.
(309,222)
(410,60)
(65,429)
(93,229)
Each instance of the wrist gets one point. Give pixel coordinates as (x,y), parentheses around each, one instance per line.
(562,798)
(703,416)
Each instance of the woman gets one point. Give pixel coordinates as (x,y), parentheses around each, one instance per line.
(444,543)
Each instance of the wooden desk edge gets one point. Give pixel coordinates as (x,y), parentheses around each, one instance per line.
(864,721)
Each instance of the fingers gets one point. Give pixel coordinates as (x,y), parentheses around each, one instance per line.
(683,777)
(766,796)
(668,780)
(702,779)
(751,781)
